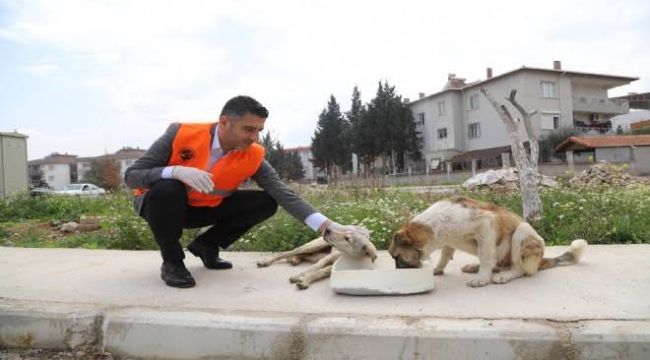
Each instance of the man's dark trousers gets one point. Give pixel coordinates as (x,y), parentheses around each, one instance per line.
(166,210)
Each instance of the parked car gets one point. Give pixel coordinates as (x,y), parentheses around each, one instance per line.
(44,190)
(81,190)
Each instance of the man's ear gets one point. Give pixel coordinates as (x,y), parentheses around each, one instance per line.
(223,120)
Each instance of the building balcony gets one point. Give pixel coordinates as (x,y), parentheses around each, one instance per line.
(600,105)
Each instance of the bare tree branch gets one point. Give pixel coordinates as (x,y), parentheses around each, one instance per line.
(533,139)
(527,167)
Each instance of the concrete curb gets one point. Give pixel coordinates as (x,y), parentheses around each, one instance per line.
(151,333)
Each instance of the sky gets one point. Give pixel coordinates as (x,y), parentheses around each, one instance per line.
(88,77)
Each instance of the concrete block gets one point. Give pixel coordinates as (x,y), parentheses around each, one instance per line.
(52,326)
(360,276)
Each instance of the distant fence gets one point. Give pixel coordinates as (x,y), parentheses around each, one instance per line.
(455,177)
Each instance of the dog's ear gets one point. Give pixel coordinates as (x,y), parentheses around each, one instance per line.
(401,239)
(371,251)
(417,234)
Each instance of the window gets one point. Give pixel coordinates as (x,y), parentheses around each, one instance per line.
(50,178)
(420,142)
(441,108)
(473,102)
(420,119)
(474,130)
(442,133)
(550,122)
(549,89)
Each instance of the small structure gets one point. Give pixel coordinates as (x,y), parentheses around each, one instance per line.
(632,149)
(13,163)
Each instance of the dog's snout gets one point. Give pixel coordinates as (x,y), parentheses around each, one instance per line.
(401,264)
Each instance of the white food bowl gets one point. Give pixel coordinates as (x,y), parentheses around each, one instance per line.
(359,276)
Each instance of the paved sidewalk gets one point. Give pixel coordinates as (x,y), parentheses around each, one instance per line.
(66,297)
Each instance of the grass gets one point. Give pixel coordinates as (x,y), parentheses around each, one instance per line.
(607,215)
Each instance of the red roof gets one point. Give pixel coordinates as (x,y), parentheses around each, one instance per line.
(592,142)
(640,124)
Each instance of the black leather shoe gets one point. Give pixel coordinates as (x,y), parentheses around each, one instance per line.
(176,275)
(210,257)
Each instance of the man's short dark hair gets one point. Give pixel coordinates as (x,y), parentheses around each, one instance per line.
(242,104)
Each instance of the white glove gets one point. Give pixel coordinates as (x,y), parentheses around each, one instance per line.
(198,180)
(336,227)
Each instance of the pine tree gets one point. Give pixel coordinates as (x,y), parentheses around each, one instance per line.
(293,166)
(284,162)
(331,140)
(94,174)
(387,128)
(354,118)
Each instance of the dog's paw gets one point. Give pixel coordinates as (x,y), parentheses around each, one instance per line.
(438,272)
(500,279)
(471,268)
(302,285)
(478,283)
(294,261)
(295,279)
(263,263)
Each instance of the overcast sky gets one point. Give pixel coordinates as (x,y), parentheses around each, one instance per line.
(89,77)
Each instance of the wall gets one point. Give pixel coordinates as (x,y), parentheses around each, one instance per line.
(642,160)
(56,175)
(493,130)
(620,154)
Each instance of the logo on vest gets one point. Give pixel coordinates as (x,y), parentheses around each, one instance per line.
(187,154)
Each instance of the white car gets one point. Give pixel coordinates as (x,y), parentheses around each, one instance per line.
(81,190)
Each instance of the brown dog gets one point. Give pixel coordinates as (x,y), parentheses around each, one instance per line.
(506,245)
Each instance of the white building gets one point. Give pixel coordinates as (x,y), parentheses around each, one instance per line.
(57,170)
(459,119)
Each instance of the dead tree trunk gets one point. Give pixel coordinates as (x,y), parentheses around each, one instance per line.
(533,139)
(526,164)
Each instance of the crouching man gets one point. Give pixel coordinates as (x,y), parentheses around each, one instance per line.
(189,178)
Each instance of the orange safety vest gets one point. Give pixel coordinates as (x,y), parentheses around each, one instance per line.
(191,147)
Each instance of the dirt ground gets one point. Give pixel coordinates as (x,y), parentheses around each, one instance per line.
(88,353)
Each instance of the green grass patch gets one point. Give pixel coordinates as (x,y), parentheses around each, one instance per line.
(607,215)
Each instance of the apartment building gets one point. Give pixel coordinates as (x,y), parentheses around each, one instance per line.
(57,170)
(459,119)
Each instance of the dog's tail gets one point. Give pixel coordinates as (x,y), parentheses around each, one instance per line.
(572,256)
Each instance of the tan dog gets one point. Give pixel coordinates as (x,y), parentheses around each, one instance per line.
(504,243)
(323,252)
